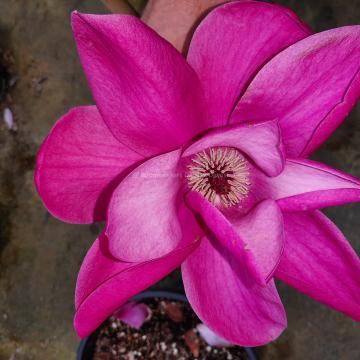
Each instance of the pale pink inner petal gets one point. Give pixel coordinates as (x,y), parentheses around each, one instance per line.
(263,232)
(306,184)
(146,210)
(260,141)
(254,240)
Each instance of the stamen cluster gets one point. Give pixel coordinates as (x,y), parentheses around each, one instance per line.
(220,174)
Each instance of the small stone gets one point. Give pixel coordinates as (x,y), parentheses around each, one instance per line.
(192,341)
(131,356)
(37,84)
(174,311)
(9,119)
(13,81)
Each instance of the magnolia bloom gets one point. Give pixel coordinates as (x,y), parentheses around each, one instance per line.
(203,162)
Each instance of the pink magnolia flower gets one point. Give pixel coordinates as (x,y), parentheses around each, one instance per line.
(203,162)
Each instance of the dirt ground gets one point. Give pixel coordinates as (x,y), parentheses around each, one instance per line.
(40,256)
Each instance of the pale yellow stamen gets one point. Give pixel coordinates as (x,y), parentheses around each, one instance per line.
(220,174)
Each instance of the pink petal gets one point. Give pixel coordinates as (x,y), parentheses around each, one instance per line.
(228,301)
(320,262)
(310,87)
(146,92)
(306,184)
(79,165)
(175,20)
(263,233)
(133,314)
(105,283)
(146,211)
(210,337)
(255,240)
(261,142)
(232,43)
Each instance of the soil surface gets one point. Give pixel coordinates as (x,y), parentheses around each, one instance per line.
(40,256)
(170,334)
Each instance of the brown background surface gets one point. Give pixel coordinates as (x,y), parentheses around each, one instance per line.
(40,256)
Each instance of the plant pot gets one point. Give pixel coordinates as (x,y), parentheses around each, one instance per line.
(87,346)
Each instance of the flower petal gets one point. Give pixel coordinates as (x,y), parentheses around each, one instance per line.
(105,283)
(310,87)
(146,211)
(320,262)
(210,337)
(232,43)
(175,20)
(263,232)
(306,185)
(228,301)
(133,314)
(79,165)
(261,142)
(255,240)
(146,92)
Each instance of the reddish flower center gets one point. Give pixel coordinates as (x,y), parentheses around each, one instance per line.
(220,174)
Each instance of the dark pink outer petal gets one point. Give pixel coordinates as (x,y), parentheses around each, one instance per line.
(79,165)
(145,216)
(307,185)
(105,283)
(228,301)
(261,142)
(254,240)
(310,87)
(232,43)
(146,92)
(320,262)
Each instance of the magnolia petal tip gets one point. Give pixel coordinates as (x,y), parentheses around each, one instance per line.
(211,337)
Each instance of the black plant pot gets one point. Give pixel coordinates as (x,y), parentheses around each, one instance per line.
(87,345)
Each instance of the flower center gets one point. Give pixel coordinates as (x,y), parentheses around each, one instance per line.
(220,174)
